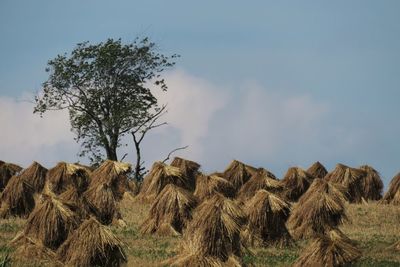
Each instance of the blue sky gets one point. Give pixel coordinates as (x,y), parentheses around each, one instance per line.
(329,72)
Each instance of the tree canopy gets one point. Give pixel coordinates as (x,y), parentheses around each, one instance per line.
(106,89)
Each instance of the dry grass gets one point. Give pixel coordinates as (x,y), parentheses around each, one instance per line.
(373,227)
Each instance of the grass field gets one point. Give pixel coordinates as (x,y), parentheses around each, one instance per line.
(373,227)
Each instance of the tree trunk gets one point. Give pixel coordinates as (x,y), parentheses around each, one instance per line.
(112,153)
(138,168)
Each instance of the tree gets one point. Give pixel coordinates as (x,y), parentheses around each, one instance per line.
(105,88)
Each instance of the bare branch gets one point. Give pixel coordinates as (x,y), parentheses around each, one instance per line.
(124,156)
(173,151)
(151,120)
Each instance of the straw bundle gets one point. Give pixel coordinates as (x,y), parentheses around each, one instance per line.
(350,178)
(17,198)
(133,187)
(331,250)
(170,212)
(392,196)
(51,221)
(31,249)
(7,170)
(35,176)
(215,229)
(295,183)
(101,202)
(76,201)
(262,179)
(193,259)
(267,214)
(159,176)
(64,175)
(317,170)
(238,173)
(92,244)
(319,210)
(209,185)
(372,184)
(396,246)
(189,169)
(114,175)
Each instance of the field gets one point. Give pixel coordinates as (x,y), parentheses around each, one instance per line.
(374,228)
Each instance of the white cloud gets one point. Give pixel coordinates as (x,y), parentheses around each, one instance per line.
(26,137)
(191,103)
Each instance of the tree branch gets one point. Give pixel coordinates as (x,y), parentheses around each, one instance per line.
(173,151)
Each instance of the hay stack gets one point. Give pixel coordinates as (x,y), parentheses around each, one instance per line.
(31,249)
(214,233)
(238,173)
(372,184)
(262,179)
(64,175)
(208,185)
(17,198)
(295,183)
(114,175)
(189,169)
(267,214)
(392,196)
(331,250)
(351,179)
(319,210)
(133,187)
(317,170)
(35,176)
(101,202)
(7,170)
(396,246)
(76,201)
(51,221)
(92,244)
(170,212)
(194,259)
(159,176)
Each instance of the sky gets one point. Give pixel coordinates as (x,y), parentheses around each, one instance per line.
(272,83)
